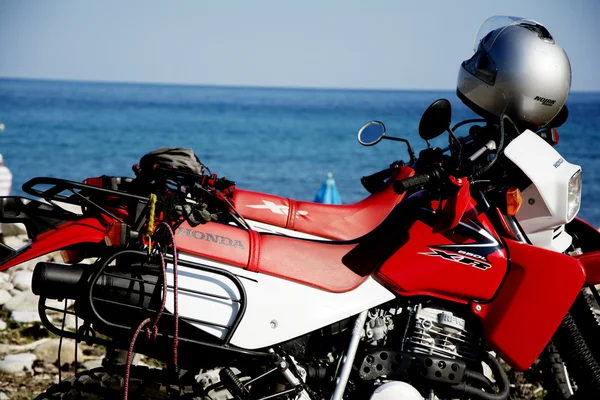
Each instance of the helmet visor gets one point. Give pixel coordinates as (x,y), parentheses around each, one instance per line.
(493,24)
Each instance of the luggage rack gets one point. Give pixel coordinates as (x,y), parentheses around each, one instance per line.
(79,194)
(87,334)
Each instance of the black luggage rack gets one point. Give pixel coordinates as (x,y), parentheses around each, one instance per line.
(80,194)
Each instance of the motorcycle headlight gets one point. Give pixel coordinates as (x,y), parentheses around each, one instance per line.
(574,195)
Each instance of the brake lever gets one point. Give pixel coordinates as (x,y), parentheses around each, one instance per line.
(489,146)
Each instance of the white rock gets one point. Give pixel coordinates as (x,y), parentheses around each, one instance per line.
(14,363)
(48,351)
(22,279)
(2,325)
(15,242)
(13,292)
(13,230)
(4,396)
(23,301)
(4,277)
(91,364)
(6,286)
(4,297)
(25,316)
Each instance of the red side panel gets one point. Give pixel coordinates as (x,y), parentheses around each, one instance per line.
(86,230)
(533,300)
(338,222)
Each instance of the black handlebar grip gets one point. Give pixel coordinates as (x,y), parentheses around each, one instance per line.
(413,182)
(374,182)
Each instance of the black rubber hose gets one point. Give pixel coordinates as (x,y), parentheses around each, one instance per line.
(579,359)
(503,384)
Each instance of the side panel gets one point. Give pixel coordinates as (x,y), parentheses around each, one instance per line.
(277,309)
(533,300)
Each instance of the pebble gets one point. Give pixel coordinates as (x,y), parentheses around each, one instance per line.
(22,280)
(2,325)
(15,242)
(48,351)
(25,316)
(4,396)
(91,364)
(23,301)
(5,296)
(14,363)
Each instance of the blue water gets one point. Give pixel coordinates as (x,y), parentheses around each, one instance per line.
(281,141)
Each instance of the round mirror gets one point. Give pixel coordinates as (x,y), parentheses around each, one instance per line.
(371,133)
(435,120)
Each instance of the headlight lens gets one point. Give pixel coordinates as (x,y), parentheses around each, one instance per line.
(574,195)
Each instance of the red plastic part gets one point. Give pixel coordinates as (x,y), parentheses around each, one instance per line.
(591,264)
(415,270)
(338,222)
(537,293)
(86,230)
(325,265)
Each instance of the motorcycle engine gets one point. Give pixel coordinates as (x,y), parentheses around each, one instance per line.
(438,332)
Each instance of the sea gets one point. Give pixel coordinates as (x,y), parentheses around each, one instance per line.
(274,140)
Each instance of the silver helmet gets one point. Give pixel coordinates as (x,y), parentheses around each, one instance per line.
(518,70)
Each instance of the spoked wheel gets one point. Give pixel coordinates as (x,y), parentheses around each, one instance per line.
(99,383)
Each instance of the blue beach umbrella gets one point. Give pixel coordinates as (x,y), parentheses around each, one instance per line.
(328,193)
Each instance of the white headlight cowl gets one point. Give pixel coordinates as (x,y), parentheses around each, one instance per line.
(574,199)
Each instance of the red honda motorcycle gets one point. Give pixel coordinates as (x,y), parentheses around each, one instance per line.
(409,308)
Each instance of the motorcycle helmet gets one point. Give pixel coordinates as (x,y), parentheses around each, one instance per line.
(518,69)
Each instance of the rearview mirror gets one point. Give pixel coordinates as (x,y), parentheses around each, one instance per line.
(371,133)
(435,120)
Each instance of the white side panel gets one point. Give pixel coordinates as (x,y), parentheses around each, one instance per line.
(277,309)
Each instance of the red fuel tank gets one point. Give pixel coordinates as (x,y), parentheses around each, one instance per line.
(464,264)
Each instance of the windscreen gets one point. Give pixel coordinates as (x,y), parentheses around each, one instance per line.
(496,22)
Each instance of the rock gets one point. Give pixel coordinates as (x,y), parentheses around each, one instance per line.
(14,230)
(15,242)
(91,364)
(2,325)
(23,301)
(13,292)
(14,363)
(24,317)
(48,351)
(5,296)
(6,286)
(4,396)
(22,280)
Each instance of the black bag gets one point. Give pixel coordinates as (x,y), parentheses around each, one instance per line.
(178,158)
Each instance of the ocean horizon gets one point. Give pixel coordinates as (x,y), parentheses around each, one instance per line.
(271,139)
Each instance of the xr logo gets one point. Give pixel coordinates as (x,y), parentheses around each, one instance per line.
(277,209)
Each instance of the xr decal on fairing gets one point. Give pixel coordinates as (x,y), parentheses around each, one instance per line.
(277,209)
(472,254)
(461,256)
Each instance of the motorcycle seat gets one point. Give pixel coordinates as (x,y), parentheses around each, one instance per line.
(328,221)
(335,266)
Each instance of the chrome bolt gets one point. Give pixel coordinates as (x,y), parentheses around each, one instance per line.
(478,308)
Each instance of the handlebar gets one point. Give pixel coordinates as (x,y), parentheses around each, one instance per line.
(374,182)
(413,182)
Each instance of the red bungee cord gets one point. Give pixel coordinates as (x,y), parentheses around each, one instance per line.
(152,332)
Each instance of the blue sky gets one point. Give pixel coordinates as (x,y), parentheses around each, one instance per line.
(351,44)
